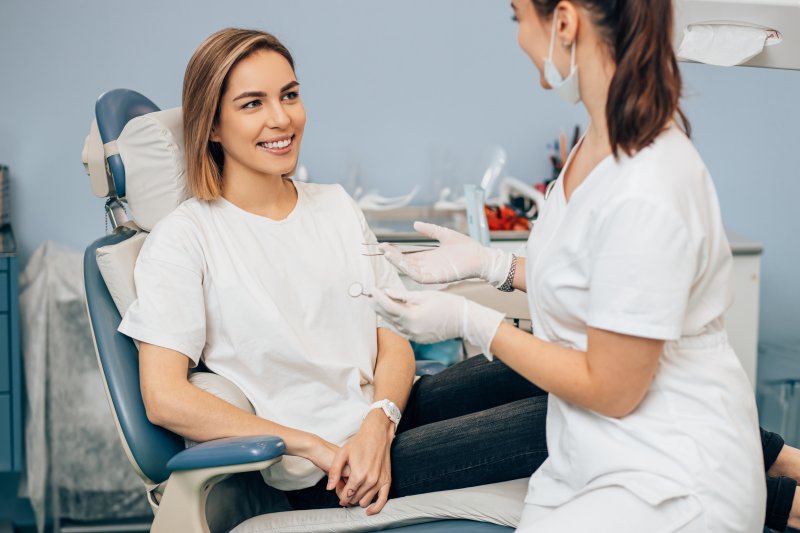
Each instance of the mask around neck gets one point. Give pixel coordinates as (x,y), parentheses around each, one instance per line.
(567,88)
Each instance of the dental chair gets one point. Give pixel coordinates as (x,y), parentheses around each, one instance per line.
(134,156)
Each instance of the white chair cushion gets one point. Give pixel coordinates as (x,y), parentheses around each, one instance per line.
(221,388)
(116,263)
(151,148)
(498,503)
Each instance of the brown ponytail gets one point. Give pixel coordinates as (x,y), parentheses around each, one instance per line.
(644,95)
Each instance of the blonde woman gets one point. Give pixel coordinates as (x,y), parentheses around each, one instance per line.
(251,276)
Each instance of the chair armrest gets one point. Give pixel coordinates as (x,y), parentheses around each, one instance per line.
(196,470)
(228,451)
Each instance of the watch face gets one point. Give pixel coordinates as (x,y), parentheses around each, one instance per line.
(392,411)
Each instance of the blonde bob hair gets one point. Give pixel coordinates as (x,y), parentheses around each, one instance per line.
(204,83)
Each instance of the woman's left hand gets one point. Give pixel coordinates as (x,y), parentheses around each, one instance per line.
(433,316)
(367,454)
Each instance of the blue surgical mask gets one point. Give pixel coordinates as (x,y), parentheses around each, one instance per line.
(567,88)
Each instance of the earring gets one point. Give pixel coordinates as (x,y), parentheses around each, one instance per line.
(566,44)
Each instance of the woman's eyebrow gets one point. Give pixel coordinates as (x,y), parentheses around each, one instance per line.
(261,94)
(251,94)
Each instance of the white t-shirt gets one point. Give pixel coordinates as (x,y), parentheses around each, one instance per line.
(639,249)
(265,304)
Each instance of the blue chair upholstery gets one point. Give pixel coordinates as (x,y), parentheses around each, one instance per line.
(453,526)
(230,451)
(113,110)
(156,452)
(150,446)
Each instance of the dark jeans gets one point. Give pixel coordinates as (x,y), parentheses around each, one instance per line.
(476,422)
(479,422)
(780,490)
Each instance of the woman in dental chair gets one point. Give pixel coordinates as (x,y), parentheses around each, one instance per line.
(251,276)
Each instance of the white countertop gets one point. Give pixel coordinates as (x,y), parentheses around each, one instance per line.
(739,245)
(743,246)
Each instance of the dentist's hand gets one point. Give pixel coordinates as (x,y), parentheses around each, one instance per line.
(457,257)
(433,316)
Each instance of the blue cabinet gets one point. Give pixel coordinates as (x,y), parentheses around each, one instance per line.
(5,355)
(10,362)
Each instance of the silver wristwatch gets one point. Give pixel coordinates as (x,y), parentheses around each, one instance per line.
(391,411)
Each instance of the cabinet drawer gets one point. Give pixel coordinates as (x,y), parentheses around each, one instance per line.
(5,349)
(3,291)
(5,433)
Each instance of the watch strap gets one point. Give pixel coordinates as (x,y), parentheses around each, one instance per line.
(508,284)
(389,408)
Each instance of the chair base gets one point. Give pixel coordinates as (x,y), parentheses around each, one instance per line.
(183,506)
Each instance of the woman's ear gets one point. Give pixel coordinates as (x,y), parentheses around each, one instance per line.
(567,21)
(214,137)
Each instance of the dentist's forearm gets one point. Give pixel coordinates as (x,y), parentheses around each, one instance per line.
(611,378)
(519,276)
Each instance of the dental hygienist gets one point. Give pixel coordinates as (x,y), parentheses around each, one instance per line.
(651,422)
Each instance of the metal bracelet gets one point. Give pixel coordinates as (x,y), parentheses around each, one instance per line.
(508,284)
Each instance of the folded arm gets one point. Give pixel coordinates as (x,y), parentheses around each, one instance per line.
(172,402)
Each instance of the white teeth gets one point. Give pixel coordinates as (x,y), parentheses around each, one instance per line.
(278,144)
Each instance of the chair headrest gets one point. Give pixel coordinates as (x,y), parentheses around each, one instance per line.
(151,150)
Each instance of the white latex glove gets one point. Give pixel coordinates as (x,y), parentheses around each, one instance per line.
(433,316)
(457,257)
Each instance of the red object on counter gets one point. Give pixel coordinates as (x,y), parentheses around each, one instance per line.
(505,218)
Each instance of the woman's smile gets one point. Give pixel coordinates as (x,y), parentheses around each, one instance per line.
(278,146)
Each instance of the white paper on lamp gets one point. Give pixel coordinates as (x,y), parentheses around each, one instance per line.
(725,45)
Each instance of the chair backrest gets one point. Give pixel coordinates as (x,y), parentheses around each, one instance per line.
(147,446)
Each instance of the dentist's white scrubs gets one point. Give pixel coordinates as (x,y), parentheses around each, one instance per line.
(639,249)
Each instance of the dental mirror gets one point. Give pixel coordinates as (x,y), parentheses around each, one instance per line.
(356,289)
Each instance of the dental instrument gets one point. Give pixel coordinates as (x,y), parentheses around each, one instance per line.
(357,289)
(405,249)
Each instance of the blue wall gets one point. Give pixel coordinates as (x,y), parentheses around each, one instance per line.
(395,92)
(746,128)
